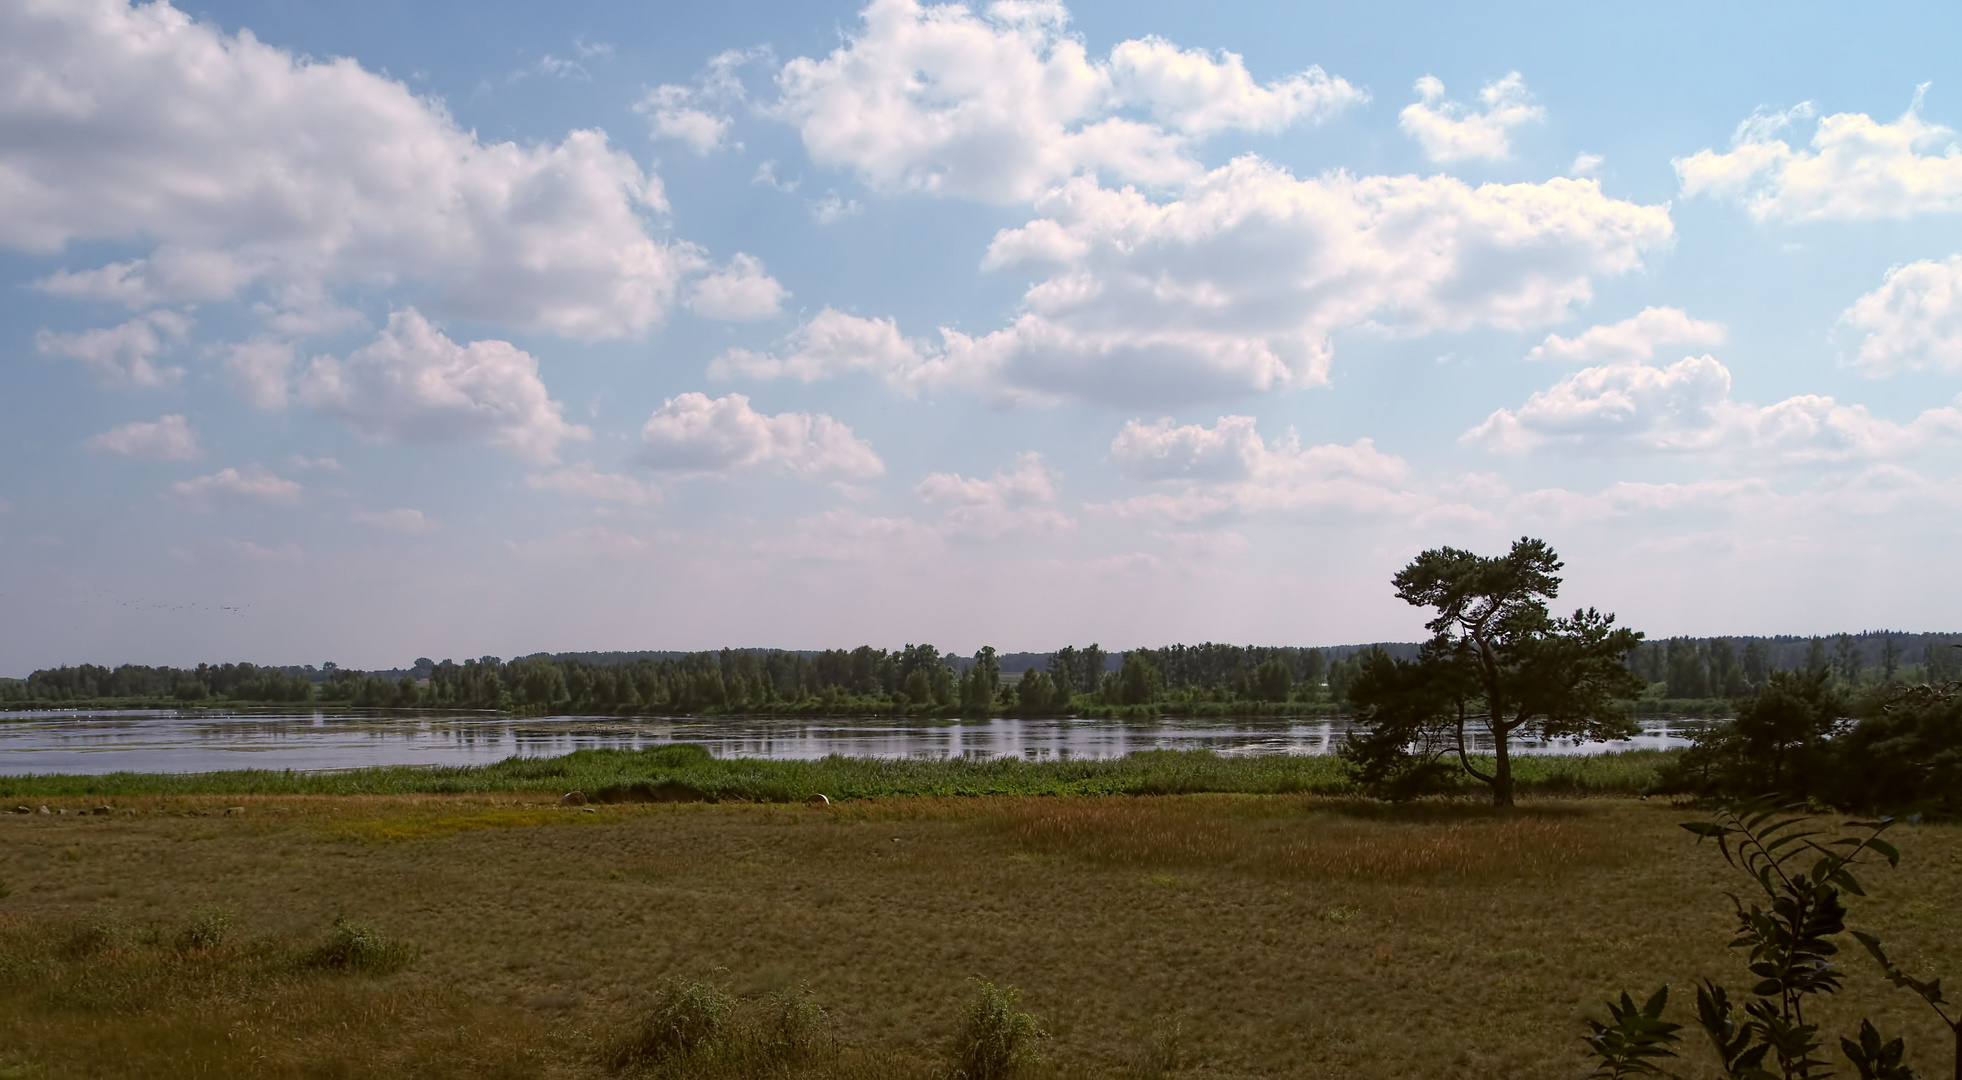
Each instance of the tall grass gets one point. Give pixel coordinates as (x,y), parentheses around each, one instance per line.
(682,772)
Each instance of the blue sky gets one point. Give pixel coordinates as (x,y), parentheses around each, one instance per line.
(364,331)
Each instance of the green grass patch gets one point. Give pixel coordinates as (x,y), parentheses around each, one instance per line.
(690,773)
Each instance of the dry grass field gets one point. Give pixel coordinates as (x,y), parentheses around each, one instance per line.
(1209,935)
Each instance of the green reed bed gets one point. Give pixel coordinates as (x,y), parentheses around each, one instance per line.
(685,773)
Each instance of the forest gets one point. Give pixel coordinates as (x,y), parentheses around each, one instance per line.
(1693,676)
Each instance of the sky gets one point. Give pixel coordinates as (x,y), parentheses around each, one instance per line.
(363,331)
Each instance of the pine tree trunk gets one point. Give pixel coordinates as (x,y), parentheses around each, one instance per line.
(1502,772)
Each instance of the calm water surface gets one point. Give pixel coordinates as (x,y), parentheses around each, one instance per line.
(201,740)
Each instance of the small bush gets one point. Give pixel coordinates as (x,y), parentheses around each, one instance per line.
(796,1024)
(997,1039)
(354,946)
(1162,1055)
(687,1016)
(85,941)
(206,930)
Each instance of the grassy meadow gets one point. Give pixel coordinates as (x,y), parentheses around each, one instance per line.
(1217,935)
(688,773)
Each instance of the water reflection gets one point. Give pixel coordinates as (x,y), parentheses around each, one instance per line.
(205,740)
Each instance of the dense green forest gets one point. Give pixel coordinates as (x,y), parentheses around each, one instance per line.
(1702,675)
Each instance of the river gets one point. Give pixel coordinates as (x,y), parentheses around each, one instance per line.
(202,740)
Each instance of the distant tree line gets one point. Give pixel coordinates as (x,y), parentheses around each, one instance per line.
(1733,668)
(1204,679)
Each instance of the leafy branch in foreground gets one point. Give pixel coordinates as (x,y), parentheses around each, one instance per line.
(1788,931)
(1929,991)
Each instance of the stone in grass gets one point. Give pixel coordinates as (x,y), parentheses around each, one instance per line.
(818,800)
(23,809)
(234,811)
(45,810)
(105,809)
(573,798)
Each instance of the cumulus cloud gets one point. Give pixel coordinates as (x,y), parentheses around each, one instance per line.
(1631,339)
(167,438)
(1229,450)
(1003,104)
(404,520)
(123,357)
(1234,288)
(1913,322)
(237,163)
(254,486)
(582,481)
(1229,469)
(1191,91)
(259,371)
(698,115)
(1854,168)
(830,345)
(412,384)
(693,434)
(1451,131)
(738,292)
(672,114)
(1018,502)
(1686,408)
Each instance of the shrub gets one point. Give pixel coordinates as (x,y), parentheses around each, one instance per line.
(687,1016)
(206,930)
(796,1024)
(354,946)
(996,1039)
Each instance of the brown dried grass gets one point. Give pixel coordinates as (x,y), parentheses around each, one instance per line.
(1280,936)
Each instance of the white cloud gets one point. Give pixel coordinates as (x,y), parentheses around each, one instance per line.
(404,520)
(831,344)
(738,292)
(1854,170)
(1188,90)
(240,163)
(1451,131)
(1913,322)
(832,207)
(414,385)
(167,438)
(1229,450)
(671,114)
(695,434)
(582,481)
(698,115)
(254,486)
(1586,164)
(122,356)
(1020,502)
(766,174)
(1686,408)
(1631,339)
(1229,469)
(1000,106)
(258,372)
(1235,288)
(300,461)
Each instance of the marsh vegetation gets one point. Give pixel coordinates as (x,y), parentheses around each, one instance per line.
(1276,935)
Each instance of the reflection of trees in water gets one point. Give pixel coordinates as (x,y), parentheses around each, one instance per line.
(178,742)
